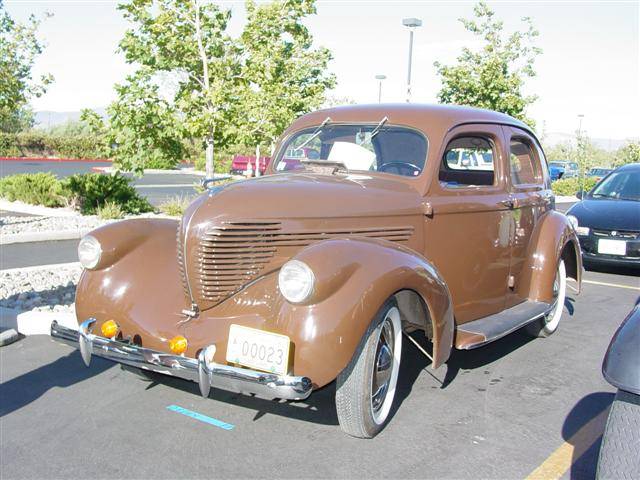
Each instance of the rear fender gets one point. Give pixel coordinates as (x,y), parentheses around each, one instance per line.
(553,239)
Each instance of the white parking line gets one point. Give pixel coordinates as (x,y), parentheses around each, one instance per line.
(616,285)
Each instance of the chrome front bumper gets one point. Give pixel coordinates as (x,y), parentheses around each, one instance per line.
(206,373)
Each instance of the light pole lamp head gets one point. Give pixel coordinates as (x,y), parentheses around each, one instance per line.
(381,77)
(411,22)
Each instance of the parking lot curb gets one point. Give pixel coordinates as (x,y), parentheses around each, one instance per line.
(177,171)
(8,336)
(35,322)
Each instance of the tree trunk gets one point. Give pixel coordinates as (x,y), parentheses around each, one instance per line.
(209,172)
(258,173)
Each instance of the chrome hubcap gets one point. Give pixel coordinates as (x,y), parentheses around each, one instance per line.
(383,366)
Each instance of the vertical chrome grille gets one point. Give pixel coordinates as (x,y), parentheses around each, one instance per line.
(180,254)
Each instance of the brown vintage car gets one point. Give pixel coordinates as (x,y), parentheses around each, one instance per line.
(372,221)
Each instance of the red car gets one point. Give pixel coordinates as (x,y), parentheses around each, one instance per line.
(240,162)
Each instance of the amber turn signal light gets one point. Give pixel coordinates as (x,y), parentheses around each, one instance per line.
(109,329)
(178,345)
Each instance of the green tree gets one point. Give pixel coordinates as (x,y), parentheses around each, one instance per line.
(494,76)
(186,42)
(283,75)
(19,48)
(630,153)
(143,130)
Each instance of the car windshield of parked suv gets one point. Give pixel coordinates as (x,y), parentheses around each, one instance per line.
(369,148)
(557,164)
(620,186)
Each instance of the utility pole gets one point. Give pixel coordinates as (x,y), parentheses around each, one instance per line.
(380,78)
(412,23)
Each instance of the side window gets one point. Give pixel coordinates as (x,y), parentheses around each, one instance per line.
(468,161)
(523,163)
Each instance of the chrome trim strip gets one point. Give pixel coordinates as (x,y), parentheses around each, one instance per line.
(206,374)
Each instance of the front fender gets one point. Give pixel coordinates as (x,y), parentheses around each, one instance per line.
(137,282)
(356,277)
(553,238)
(621,366)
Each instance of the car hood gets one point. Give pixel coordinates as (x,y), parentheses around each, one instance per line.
(235,233)
(607,214)
(308,195)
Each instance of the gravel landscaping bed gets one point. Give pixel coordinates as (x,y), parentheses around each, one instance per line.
(14,225)
(46,289)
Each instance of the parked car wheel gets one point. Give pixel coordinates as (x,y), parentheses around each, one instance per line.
(365,389)
(548,324)
(621,439)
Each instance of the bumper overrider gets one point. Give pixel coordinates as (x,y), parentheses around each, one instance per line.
(201,370)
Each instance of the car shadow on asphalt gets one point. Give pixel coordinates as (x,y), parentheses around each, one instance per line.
(319,408)
(63,372)
(583,428)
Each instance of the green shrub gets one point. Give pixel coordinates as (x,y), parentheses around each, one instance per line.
(90,191)
(175,206)
(571,186)
(110,211)
(34,188)
(36,143)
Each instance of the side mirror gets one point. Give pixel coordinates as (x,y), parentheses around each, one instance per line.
(579,194)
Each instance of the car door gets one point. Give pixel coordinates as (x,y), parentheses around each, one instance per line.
(467,232)
(531,196)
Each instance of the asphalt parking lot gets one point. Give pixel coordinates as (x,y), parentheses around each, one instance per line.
(504,411)
(156,187)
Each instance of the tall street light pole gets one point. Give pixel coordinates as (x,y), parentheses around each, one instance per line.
(412,23)
(579,145)
(380,78)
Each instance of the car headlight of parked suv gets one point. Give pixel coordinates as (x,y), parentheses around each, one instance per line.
(582,231)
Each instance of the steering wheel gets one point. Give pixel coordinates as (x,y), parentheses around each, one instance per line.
(400,168)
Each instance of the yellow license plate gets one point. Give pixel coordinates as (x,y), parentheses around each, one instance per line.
(258,349)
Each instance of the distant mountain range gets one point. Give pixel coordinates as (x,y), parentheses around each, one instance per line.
(46,119)
(608,144)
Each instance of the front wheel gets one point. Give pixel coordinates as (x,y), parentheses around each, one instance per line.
(619,457)
(548,324)
(365,389)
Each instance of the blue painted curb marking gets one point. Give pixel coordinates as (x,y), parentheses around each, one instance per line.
(203,418)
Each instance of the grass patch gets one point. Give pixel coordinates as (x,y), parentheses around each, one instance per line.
(110,211)
(175,206)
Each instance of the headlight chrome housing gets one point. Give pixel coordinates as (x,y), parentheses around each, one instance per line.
(296,281)
(89,252)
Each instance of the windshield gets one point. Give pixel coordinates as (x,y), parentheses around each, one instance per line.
(375,147)
(624,185)
(557,164)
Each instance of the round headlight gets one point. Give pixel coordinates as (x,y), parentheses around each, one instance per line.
(573,221)
(296,281)
(89,252)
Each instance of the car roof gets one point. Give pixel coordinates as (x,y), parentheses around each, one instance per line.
(411,114)
(634,167)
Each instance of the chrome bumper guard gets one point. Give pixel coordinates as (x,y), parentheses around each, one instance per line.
(206,373)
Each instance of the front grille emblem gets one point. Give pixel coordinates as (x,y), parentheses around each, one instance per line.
(614,233)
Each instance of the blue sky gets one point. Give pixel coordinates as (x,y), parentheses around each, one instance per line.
(590,63)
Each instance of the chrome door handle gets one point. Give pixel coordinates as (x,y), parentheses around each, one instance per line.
(509,203)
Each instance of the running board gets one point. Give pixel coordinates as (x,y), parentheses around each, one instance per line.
(484,330)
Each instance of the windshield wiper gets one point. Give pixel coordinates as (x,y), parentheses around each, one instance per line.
(375,131)
(315,133)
